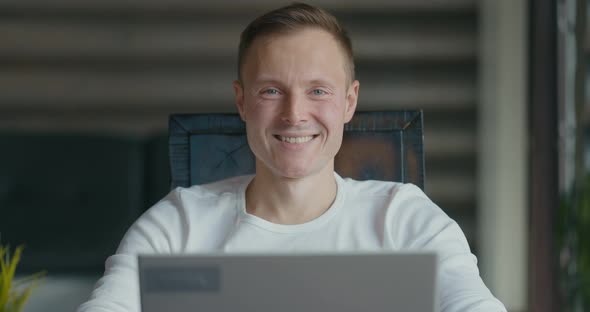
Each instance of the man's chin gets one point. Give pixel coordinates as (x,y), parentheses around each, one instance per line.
(292,172)
(292,168)
(297,173)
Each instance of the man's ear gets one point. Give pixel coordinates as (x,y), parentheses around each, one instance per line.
(239,95)
(351,100)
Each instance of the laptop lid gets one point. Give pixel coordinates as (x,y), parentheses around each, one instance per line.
(373,282)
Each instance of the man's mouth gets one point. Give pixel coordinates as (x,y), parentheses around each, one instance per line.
(296,140)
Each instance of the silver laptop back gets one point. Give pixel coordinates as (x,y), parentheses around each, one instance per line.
(374,282)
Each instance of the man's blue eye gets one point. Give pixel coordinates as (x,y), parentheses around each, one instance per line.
(318,92)
(271,91)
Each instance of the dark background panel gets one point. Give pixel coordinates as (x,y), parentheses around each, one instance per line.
(70,199)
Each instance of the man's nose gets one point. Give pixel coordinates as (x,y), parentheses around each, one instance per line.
(294,110)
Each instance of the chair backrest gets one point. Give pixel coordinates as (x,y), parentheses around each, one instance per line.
(377,145)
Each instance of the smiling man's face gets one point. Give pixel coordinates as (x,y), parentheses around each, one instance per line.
(295,98)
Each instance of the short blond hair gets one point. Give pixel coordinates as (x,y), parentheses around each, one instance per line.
(291,18)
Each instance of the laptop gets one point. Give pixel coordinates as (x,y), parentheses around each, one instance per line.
(372,282)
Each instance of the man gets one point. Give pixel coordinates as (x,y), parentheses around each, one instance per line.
(295,91)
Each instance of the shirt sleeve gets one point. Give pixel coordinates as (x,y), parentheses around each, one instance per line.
(416,223)
(160,230)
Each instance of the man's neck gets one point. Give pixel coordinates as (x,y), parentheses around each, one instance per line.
(290,201)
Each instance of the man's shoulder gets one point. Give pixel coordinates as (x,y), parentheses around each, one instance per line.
(230,186)
(379,188)
(196,200)
(395,197)
(203,196)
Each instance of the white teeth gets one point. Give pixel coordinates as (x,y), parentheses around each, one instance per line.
(296,140)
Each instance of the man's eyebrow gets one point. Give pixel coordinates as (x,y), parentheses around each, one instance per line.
(267,81)
(321,82)
(312,82)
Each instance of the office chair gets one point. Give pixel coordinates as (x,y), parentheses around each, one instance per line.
(376,145)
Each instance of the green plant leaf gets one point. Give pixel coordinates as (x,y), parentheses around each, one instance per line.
(14,294)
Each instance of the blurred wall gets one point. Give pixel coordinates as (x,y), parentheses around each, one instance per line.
(503,150)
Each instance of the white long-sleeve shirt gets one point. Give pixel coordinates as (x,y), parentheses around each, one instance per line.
(365,216)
